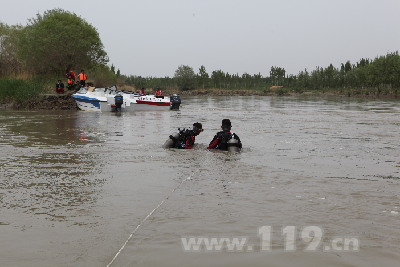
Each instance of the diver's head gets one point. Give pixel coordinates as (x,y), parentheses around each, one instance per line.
(197,128)
(226,125)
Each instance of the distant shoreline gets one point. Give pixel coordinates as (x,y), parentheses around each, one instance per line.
(288,92)
(66,102)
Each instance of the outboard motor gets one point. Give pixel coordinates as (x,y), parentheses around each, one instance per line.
(175,101)
(119,100)
(170,143)
(233,145)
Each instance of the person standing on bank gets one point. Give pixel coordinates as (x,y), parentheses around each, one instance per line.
(225,139)
(82,78)
(71,78)
(59,87)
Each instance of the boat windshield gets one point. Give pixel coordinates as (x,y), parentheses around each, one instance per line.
(83,90)
(110,91)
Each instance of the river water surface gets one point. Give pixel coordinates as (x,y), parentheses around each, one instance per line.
(75,186)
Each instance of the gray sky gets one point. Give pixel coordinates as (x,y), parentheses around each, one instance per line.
(154,37)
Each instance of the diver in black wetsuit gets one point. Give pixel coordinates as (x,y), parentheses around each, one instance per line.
(226,139)
(185,138)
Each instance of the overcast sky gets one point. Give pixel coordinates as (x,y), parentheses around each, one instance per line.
(154,37)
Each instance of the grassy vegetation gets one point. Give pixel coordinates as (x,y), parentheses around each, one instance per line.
(357,92)
(21,90)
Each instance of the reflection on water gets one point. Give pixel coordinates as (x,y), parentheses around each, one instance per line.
(31,130)
(44,169)
(75,184)
(48,183)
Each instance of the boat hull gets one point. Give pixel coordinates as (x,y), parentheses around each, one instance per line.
(87,103)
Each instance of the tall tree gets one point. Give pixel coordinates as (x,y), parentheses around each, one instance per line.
(218,77)
(9,62)
(347,66)
(203,76)
(185,77)
(57,39)
(277,75)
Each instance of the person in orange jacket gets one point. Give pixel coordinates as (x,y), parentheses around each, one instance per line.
(82,78)
(142,92)
(71,78)
(159,93)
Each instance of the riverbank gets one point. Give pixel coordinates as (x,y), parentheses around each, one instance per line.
(222,92)
(43,102)
(66,102)
(285,91)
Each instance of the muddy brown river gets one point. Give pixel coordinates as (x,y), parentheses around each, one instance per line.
(317,184)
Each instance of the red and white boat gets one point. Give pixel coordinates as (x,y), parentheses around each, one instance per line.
(151,102)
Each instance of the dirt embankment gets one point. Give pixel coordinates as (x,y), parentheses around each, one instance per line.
(44,102)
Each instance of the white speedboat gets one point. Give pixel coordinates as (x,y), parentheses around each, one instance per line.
(103,99)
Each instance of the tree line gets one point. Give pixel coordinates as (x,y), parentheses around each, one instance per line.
(381,74)
(56,40)
(186,79)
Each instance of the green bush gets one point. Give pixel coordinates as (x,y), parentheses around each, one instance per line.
(102,76)
(281,91)
(19,90)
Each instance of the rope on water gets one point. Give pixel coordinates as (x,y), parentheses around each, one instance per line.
(145,219)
